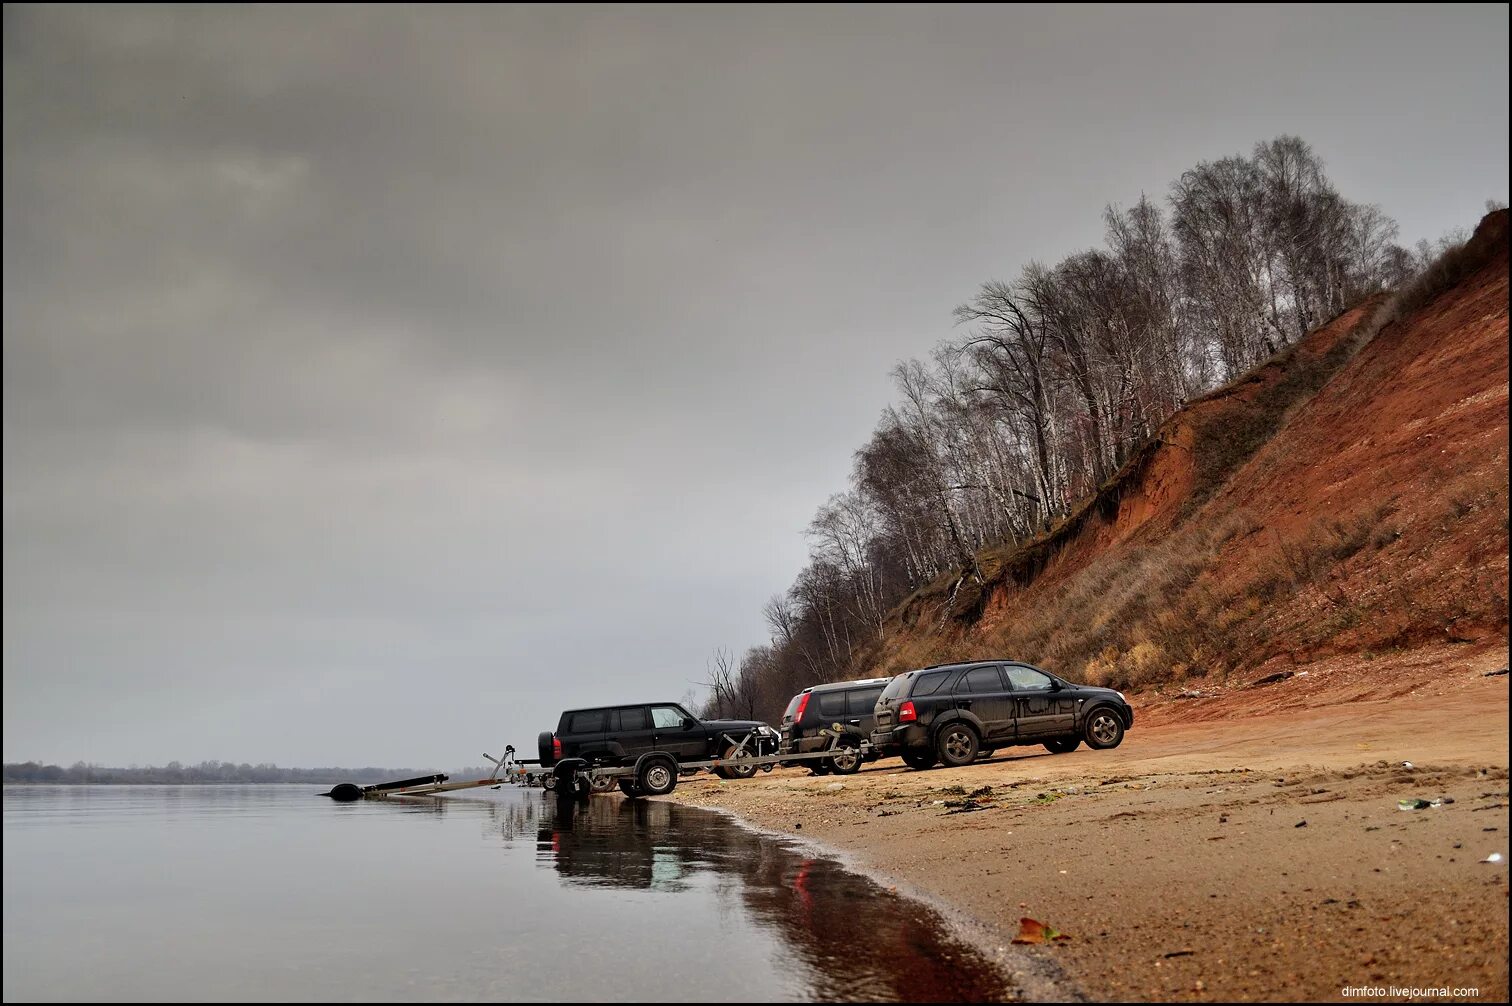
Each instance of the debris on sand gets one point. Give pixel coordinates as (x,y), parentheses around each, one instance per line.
(1034,931)
(1495,674)
(1413,804)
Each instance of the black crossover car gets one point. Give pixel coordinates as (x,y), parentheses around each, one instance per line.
(620,735)
(816,714)
(955,713)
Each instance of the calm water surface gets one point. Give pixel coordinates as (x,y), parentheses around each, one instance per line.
(268,892)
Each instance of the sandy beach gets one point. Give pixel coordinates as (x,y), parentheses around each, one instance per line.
(1245,844)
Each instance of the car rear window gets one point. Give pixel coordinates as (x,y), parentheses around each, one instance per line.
(590,722)
(980,680)
(832,703)
(633,718)
(861,701)
(929,682)
(895,687)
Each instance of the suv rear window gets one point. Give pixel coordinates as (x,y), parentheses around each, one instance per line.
(980,680)
(832,703)
(632,718)
(862,701)
(928,684)
(895,686)
(590,722)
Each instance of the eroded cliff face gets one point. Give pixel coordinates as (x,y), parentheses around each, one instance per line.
(1350,495)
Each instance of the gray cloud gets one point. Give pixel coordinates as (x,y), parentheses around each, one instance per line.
(380,381)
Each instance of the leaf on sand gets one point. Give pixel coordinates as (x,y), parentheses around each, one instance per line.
(1034,931)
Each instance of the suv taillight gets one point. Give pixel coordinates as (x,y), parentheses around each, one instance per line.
(802,705)
(907,713)
(556,747)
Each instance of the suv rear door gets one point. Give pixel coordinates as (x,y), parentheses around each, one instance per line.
(983,692)
(630,728)
(1043,710)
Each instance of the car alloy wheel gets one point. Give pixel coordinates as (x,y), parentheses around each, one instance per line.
(1105,730)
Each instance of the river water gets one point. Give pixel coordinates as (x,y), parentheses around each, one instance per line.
(193,893)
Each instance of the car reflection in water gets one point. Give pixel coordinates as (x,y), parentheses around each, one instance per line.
(859,942)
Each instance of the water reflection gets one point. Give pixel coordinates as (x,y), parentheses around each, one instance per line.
(855,940)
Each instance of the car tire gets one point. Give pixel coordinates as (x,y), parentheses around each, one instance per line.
(919,760)
(656,776)
(1063,745)
(986,753)
(847,763)
(628,787)
(601,783)
(957,744)
(820,766)
(548,783)
(1104,729)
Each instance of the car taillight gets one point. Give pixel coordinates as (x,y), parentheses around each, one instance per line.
(907,713)
(802,705)
(556,747)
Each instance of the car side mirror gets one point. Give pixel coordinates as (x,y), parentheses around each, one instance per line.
(1055,686)
(687,723)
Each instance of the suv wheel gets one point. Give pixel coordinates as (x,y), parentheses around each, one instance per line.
(656,777)
(920,760)
(1104,729)
(1063,745)
(957,745)
(847,761)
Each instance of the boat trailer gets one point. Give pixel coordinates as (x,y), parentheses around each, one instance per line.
(506,769)
(654,773)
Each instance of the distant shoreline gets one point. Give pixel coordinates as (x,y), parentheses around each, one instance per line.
(210,774)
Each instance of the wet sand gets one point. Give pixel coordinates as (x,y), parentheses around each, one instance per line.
(1234,848)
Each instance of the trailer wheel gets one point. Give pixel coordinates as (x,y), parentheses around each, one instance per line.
(548,782)
(628,787)
(847,761)
(735,770)
(656,776)
(601,783)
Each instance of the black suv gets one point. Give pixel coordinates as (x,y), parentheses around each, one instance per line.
(814,714)
(620,735)
(955,713)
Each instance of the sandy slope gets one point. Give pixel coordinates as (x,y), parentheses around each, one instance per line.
(1179,862)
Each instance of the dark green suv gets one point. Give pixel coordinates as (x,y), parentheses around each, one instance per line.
(954,713)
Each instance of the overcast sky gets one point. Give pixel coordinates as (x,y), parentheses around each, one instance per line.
(379,383)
